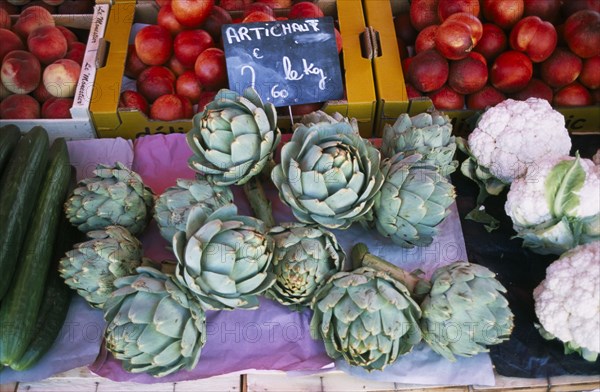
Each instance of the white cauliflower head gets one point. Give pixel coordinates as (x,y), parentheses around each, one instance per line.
(513,135)
(567,302)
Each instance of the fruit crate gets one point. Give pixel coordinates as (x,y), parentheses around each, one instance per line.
(391,89)
(359,101)
(80,126)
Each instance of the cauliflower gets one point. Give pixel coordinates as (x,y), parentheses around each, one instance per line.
(555,206)
(512,135)
(567,302)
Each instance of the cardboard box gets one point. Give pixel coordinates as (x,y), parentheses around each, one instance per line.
(80,126)
(391,89)
(360,101)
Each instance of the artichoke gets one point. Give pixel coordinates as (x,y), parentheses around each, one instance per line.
(320,116)
(234,137)
(304,258)
(366,317)
(154,325)
(413,201)
(465,311)
(92,266)
(114,196)
(172,208)
(556,206)
(224,258)
(328,175)
(427,134)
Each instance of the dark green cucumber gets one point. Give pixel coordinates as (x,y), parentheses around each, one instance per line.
(9,137)
(19,186)
(19,308)
(57,298)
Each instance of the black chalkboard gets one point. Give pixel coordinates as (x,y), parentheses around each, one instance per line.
(288,62)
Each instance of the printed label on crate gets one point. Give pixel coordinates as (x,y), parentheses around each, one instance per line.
(288,62)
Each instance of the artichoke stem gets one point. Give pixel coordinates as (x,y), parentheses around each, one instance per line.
(259,202)
(362,258)
(265,174)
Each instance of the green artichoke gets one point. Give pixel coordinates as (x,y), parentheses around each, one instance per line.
(366,317)
(92,266)
(114,196)
(465,311)
(428,134)
(225,259)
(328,175)
(172,208)
(154,325)
(413,201)
(234,137)
(304,258)
(320,116)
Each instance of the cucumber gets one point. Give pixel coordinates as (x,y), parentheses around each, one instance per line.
(57,296)
(19,186)
(19,308)
(9,137)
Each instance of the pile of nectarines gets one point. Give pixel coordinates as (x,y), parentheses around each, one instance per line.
(15,7)
(476,53)
(179,62)
(41,63)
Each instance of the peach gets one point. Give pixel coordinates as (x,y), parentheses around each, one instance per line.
(153,45)
(261,7)
(76,7)
(41,94)
(61,77)
(130,99)
(534,37)
(211,70)
(21,72)
(404,29)
(19,107)
(217,18)
(486,97)
(57,108)
(192,13)
(446,98)
(133,65)
(590,73)
(428,71)
(168,107)
(573,94)
(162,3)
(572,6)
(234,5)
(4,92)
(582,33)
(189,44)
(426,39)
(31,19)
(155,82)
(561,68)
(449,7)
(70,36)
(546,10)
(167,19)
(76,52)
(188,107)
(511,71)
(504,13)
(472,21)
(10,41)
(275,4)
(175,65)
(5,22)
(454,40)
(535,88)
(305,9)
(493,42)
(258,16)
(205,98)
(47,43)
(423,13)
(468,75)
(189,86)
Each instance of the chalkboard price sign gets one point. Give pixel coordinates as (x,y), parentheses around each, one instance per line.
(288,62)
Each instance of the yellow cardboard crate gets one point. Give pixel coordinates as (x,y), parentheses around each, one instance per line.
(360,100)
(391,89)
